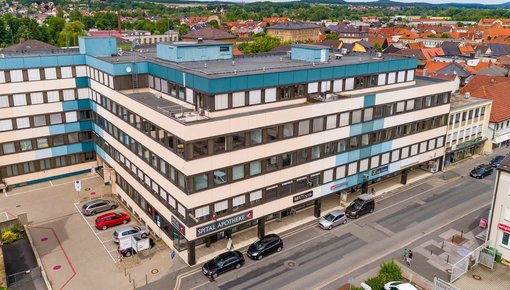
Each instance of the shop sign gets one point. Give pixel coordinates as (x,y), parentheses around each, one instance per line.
(302,196)
(468,143)
(218,225)
(177,225)
(379,170)
(504,228)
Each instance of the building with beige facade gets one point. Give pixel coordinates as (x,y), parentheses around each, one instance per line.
(468,127)
(295,31)
(198,141)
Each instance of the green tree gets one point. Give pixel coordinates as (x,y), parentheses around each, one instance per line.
(445,35)
(260,44)
(69,36)
(333,36)
(214,24)
(378,47)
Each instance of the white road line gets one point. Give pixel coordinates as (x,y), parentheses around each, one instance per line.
(184,275)
(113,259)
(35,189)
(393,250)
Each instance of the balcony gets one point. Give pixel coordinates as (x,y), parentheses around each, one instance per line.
(325,97)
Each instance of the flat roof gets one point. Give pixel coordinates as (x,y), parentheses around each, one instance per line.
(196,43)
(246,64)
(420,81)
(458,101)
(505,164)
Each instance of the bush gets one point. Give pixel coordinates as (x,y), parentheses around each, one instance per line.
(390,271)
(9,237)
(377,282)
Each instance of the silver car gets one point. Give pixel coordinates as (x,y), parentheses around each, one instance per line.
(333,219)
(128,231)
(98,205)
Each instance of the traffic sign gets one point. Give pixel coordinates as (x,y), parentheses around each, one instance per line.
(172,254)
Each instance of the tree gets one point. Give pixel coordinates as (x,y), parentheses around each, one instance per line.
(260,44)
(69,36)
(332,36)
(445,35)
(214,23)
(378,47)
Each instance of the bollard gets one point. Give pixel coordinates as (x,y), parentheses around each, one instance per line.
(125,273)
(442,246)
(461,233)
(146,280)
(453,238)
(448,259)
(129,277)
(431,252)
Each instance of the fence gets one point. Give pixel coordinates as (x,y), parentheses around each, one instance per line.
(23,277)
(482,255)
(443,285)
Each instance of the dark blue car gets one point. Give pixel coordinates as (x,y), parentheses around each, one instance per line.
(481,171)
(496,161)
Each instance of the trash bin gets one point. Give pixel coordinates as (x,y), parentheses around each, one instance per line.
(498,256)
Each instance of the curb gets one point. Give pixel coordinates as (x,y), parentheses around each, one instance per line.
(43,272)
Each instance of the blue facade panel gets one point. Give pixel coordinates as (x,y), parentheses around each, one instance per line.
(76,105)
(354,155)
(98,46)
(369,101)
(342,158)
(82,82)
(355,129)
(43,153)
(41,61)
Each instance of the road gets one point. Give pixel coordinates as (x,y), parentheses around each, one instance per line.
(317,259)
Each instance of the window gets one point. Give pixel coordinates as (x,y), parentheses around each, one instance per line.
(342,145)
(271,193)
(271,163)
(270,95)
(318,125)
(16,76)
(288,130)
(368,114)
(316,152)
(221,101)
(304,128)
(238,140)
(423,146)
(200,181)
(220,176)
(53,96)
(219,144)
(66,72)
(395,155)
(2,77)
(363,165)
(353,168)
(349,84)
(410,105)
(344,119)
(83,93)
(50,73)
(5,125)
(301,156)
(401,107)
(256,136)
(11,170)
(255,196)
(255,168)
(405,152)
(330,122)
(55,119)
(401,76)
(238,201)
(8,148)
(42,143)
(68,95)
(313,88)
(506,239)
(25,145)
(36,98)
(238,99)
(356,117)
(327,176)
(224,48)
(22,122)
(238,172)
(19,100)
(71,117)
(272,134)
(4,101)
(374,161)
(200,148)
(28,167)
(45,164)
(255,97)
(73,137)
(391,77)
(34,75)
(58,140)
(286,159)
(340,172)
(410,75)
(385,158)
(353,143)
(39,121)
(181,210)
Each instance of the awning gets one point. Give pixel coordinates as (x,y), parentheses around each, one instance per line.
(501,138)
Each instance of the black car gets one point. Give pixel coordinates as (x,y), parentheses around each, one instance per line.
(496,161)
(481,171)
(265,246)
(223,263)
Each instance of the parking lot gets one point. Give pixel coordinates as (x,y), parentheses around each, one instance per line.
(74,254)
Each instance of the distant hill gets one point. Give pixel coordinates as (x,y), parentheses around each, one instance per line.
(417,4)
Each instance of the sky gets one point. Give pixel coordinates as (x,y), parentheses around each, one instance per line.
(445,1)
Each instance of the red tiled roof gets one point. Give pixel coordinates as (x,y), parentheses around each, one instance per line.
(430,53)
(415,45)
(481,80)
(492,32)
(500,102)
(466,49)
(433,66)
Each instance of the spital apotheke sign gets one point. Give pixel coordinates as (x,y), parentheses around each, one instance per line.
(218,225)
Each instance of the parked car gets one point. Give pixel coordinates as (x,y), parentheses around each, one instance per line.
(363,204)
(333,219)
(265,246)
(496,161)
(129,231)
(398,285)
(111,219)
(481,171)
(223,263)
(98,205)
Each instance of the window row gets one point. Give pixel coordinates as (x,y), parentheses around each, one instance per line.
(239,140)
(270,193)
(37,74)
(277,162)
(170,88)
(144,179)
(459,135)
(25,99)
(46,164)
(101,77)
(467,115)
(44,142)
(44,120)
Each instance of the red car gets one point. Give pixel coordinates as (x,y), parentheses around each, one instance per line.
(111,219)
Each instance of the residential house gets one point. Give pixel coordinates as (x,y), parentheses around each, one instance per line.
(295,31)
(349,34)
(491,22)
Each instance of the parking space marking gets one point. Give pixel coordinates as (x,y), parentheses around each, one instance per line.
(94,232)
(51,185)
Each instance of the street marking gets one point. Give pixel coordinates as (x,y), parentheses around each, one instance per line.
(410,242)
(51,183)
(36,189)
(113,259)
(182,276)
